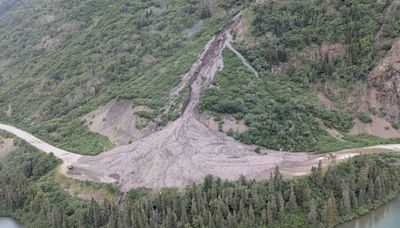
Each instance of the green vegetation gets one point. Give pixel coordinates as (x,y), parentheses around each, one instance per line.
(63,59)
(279,114)
(297,25)
(325,198)
(364,117)
(60,60)
(328,46)
(396,126)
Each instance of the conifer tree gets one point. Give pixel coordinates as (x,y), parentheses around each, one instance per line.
(281,205)
(331,211)
(346,199)
(292,203)
(303,192)
(312,214)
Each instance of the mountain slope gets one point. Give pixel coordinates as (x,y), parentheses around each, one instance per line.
(62,59)
(315,58)
(61,63)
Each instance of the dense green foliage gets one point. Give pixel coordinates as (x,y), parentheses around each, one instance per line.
(28,191)
(297,25)
(323,199)
(62,59)
(325,46)
(279,114)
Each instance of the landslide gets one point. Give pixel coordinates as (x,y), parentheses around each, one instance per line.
(185,150)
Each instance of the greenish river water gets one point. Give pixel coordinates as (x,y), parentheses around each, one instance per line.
(387,216)
(6,222)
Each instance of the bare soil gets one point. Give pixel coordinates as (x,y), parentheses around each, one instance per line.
(379,127)
(228,123)
(119,121)
(6,146)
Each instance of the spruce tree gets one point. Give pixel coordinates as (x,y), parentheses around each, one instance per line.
(346,199)
(303,192)
(281,206)
(292,204)
(312,214)
(331,211)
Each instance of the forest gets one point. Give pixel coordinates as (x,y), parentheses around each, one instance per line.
(328,196)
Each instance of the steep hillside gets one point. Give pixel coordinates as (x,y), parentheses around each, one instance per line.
(87,76)
(60,60)
(317,60)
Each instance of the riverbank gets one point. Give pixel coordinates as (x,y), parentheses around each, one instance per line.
(384,216)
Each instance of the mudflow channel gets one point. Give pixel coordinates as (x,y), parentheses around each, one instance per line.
(185,150)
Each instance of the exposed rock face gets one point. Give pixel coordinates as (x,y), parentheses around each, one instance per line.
(384,85)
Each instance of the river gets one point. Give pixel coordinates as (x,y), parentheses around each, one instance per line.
(6,222)
(386,216)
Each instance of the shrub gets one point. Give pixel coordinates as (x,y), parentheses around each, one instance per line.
(396,125)
(364,117)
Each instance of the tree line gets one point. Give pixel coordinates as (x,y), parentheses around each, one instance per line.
(328,196)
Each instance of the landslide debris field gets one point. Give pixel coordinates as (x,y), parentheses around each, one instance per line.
(186,150)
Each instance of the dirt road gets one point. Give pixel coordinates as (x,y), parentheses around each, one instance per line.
(67,157)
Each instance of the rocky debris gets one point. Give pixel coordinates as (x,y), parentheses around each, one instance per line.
(185,150)
(383,92)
